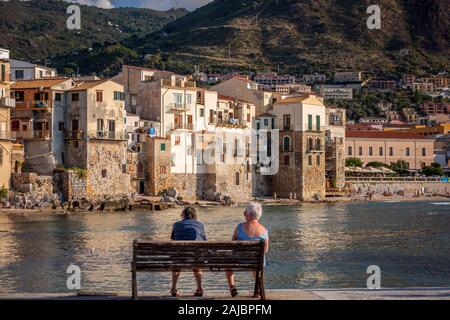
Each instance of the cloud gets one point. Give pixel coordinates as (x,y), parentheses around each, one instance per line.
(105,4)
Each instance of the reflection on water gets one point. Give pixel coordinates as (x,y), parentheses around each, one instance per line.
(312,246)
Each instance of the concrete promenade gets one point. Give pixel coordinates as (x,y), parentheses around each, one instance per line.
(319,294)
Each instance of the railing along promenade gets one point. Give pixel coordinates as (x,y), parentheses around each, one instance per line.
(393,179)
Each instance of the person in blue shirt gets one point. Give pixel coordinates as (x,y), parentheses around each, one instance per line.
(188,229)
(250,230)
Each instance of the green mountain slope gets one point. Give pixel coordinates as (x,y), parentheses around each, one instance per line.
(36,29)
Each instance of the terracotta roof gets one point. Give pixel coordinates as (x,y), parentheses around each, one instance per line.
(228,98)
(32,84)
(147,69)
(266,115)
(383,135)
(85,85)
(242,79)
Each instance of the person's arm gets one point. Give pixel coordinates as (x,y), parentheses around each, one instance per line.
(266,244)
(235,234)
(172,234)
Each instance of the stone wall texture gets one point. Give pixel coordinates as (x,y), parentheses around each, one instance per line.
(32,183)
(106,177)
(409,188)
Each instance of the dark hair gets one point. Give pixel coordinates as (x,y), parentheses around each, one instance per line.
(189,213)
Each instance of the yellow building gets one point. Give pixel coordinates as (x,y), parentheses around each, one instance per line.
(443,128)
(6,137)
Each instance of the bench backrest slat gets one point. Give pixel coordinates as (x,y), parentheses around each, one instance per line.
(170,255)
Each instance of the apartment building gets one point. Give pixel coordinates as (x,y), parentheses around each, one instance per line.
(294,88)
(38,121)
(95,136)
(348,77)
(439,82)
(312,78)
(389,147)
(336,93)
(301,124)
(433,109)
(190,117)
(23,70)
(271,80)
(247,90)
(6,136)
(423,87)
(382,84)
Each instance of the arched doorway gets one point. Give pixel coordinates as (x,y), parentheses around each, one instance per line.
(141,187)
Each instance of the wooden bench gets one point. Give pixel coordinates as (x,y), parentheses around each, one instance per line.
(152,256)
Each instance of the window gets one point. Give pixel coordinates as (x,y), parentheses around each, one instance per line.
(61,126)
(104,173)
(75,144)
(310,125)
(381,151)
(58,97)
(249,118)
(99,96)
(408,152)
(202,112)
(38,96)
(134,99)
(178,99)
(360,151)
(287,122)
(75,97)
(19,95)
(238,178)
(1,156)
(310,144)
(370,151)
(310,160)
(424,152)
(391,151)
(119,96)
(350,153)
(318,144)
(177,140)
(286,144)
(100,125)
(162,169)
(318,160)
(19,74)
(287,160)
(3,76)
(111,125)
(188,99)
(15,125)
(211,116)
(266,122)
(75,125)
(318,123)
(163,147)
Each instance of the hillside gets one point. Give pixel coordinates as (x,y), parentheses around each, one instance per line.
(309,35)
(36,29)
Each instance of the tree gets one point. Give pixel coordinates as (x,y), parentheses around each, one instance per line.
(353,162)
(401,167)
(435,169)
(377,164)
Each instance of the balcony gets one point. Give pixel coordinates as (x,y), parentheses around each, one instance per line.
(8,135)
(74,135)
(7,102)
(107,135)
(178,107)
(34,105)
(33,135)
(314,128)
(180,126)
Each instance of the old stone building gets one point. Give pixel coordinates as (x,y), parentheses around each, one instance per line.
(38,121)
(301,124)
(335,147)
(95,137)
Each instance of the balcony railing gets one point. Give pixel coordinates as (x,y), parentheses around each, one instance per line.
(33,134)
(314,128)
(75,135)
(178,107)
(107,135)
(7,102)
(7,135)
(37,105)
(181,126)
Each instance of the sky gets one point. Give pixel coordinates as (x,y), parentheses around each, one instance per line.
(153,4)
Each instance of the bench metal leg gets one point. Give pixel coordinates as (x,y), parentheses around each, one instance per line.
(134,285)
(261,287)
(257,285)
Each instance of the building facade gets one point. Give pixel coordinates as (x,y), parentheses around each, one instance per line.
(390,147)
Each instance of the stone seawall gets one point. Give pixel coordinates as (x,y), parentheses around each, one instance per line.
(410,188)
